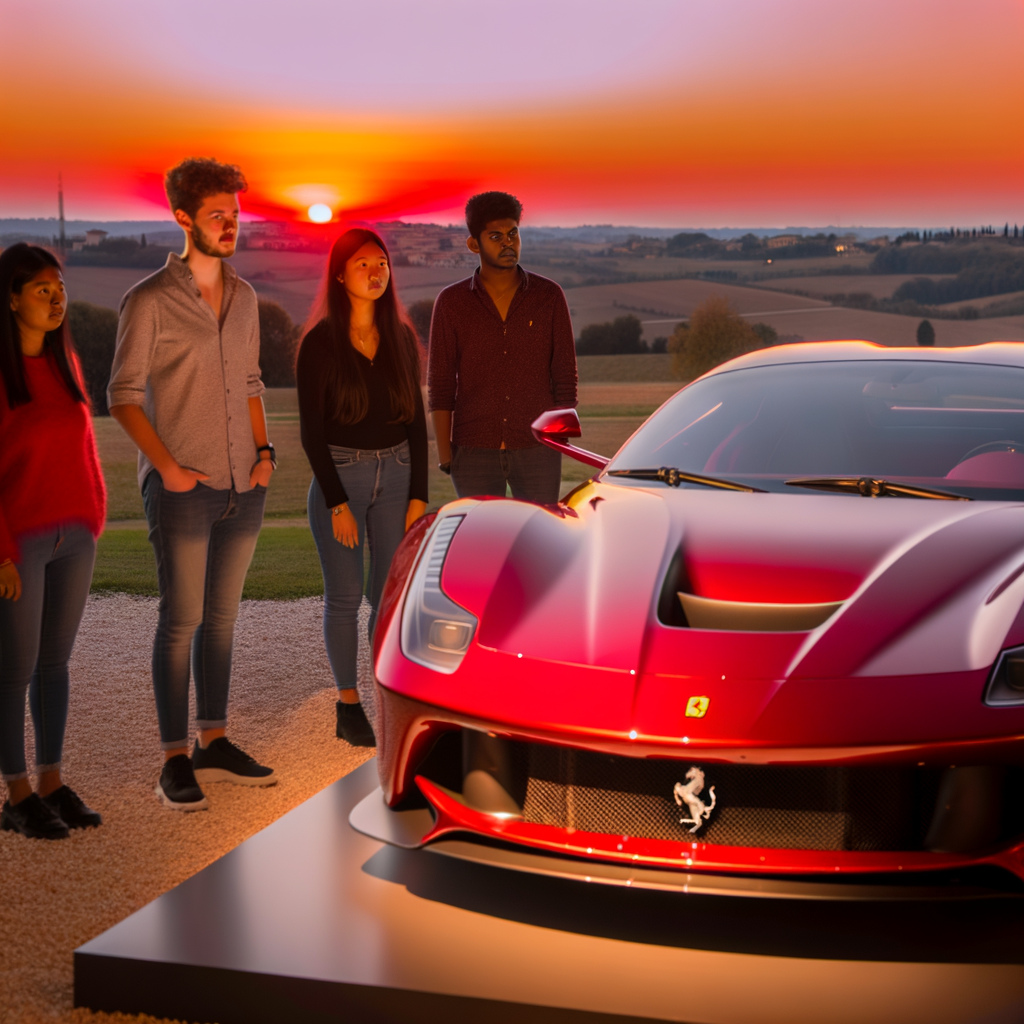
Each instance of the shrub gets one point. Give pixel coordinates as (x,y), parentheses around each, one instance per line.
(94,331)
(925,334)
(420,313)
(715,333)
(768,335)
(620,336)
(278,343)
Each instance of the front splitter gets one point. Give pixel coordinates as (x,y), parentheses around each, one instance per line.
(412,830)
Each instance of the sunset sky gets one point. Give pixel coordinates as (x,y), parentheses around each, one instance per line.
(651,112)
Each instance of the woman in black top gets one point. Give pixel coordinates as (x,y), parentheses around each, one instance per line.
(364,431)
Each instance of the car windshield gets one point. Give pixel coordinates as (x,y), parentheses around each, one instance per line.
(952,427)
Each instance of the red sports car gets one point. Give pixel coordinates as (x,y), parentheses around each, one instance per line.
(775,645)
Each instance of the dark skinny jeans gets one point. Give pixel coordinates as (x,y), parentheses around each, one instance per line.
(532,474)
(37,634)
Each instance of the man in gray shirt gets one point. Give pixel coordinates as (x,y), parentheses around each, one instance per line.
(186,388)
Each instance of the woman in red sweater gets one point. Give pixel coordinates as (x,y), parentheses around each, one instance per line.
(52,507)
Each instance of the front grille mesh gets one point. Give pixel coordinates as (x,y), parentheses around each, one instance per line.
(809,808)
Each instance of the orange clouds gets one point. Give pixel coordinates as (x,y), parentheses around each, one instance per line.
(787,113)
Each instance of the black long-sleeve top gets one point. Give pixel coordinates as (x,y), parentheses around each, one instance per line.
(319,429)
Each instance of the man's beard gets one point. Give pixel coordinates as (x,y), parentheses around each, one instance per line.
(202,245)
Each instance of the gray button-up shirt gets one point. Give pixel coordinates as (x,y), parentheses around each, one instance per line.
(192,376)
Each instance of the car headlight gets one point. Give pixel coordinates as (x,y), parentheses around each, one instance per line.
(436,632)
(1006,684)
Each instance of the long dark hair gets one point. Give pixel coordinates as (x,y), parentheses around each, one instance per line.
(397,355)
(18,265)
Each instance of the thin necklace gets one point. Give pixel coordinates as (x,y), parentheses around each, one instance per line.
(362,341)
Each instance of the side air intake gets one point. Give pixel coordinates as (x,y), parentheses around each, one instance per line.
(754,617)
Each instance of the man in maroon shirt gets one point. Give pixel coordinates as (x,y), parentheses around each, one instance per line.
(501,353)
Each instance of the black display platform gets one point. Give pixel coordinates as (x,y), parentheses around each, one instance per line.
(309,921)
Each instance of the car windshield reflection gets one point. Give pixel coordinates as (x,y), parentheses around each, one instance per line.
(957,428)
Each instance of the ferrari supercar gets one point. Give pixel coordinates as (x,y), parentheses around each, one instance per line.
(774,645)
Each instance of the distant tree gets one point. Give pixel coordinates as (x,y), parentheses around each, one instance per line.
(715,333)
(620,336)
(692,240)
(278,345)
(142,241)
(925,334)
(94,331)
(659,346)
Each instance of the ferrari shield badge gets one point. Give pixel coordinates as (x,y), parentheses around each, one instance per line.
(689,794)
(697,707)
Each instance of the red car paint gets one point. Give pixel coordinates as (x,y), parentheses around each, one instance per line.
(570,649)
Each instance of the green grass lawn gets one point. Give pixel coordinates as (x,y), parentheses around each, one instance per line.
(284,567)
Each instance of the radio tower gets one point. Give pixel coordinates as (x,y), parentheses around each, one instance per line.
(60,209)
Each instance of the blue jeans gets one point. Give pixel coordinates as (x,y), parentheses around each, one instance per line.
(534,473)
(37,633)
(377,485)
(203,541)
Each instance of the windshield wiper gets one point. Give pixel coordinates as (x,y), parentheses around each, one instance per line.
(869,487)
(674,477)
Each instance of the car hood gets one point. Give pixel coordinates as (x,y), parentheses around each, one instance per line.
(922,586)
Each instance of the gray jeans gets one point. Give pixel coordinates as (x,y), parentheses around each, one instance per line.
(203,540)
(377,485)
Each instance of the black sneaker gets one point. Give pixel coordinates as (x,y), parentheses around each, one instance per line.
(353,725)
(32,818)
(222,761)
(178,788)
(69,807)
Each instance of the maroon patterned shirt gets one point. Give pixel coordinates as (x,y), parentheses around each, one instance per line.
(497,377)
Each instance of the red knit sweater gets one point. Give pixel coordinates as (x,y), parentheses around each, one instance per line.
(49,469)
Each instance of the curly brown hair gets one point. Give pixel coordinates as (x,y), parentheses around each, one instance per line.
(198,178)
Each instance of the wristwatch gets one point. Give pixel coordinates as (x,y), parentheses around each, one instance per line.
(445,467)
(268,447)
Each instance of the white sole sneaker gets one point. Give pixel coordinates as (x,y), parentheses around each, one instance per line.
(196,805)
(206,775)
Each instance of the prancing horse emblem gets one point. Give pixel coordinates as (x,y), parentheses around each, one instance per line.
(690,795)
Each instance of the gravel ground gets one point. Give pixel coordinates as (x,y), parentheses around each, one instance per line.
(57,895)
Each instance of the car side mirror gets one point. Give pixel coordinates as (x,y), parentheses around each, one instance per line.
(556,426)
